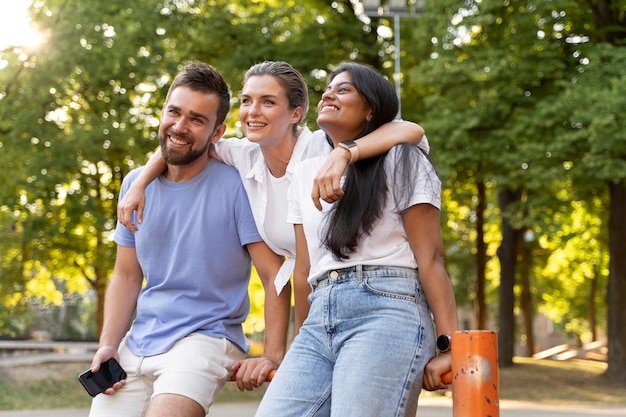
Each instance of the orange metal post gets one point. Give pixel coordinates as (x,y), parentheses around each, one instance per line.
(475,384)
(447,378)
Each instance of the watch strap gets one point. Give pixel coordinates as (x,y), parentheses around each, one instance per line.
(351,147)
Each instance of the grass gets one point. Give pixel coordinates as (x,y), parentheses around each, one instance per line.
(68,393)
(563,382)
(43,394)
(545,381)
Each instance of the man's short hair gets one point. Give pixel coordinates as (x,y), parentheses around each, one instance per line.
(199,76)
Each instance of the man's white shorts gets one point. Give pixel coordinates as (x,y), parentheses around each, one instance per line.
(196,367)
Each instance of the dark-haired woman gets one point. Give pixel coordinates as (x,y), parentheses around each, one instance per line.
(374,262)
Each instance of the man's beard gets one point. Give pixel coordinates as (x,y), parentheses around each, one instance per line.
(172,157)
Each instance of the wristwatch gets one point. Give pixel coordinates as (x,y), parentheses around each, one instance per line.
(444,343)
(350,146)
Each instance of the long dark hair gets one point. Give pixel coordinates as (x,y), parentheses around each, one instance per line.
(365,187)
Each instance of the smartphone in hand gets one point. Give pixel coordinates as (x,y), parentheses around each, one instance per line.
(109,373)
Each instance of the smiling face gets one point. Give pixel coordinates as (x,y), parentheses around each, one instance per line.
(188,126)
(265,114)
(343,111)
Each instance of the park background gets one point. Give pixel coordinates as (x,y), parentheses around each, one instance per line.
(523,103)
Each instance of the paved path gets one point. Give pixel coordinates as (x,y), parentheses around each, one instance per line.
(429,407)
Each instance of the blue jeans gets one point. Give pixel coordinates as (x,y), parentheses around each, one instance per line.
(361,351)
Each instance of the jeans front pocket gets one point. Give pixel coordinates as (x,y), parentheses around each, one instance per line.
(397,283)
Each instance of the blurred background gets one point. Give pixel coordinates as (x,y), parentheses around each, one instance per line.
(523,103)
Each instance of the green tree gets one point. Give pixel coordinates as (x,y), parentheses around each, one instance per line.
(488,70)
(489,87)
(577,266)
(591,142)
(91,101)
(93,94)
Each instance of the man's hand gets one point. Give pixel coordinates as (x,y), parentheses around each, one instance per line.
(327,182)
(253,372)
(103,354)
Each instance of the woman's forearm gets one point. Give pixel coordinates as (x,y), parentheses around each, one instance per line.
(387,136)
(327,182)
(154,167)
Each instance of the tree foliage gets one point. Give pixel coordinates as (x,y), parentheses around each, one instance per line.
(94,92)
(496,88)
(521,101)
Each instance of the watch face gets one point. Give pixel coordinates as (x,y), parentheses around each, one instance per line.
(443,343)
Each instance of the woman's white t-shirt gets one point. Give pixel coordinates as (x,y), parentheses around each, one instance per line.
(387,244)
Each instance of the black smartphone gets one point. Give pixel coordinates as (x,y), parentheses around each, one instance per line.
(109,373)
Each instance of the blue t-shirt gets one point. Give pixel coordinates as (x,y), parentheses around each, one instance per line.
(191,248)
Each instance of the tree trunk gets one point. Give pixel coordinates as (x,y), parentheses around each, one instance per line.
(507,253)
(481,258)
(526,301)
(593,292)
(100,285)
(616,292)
